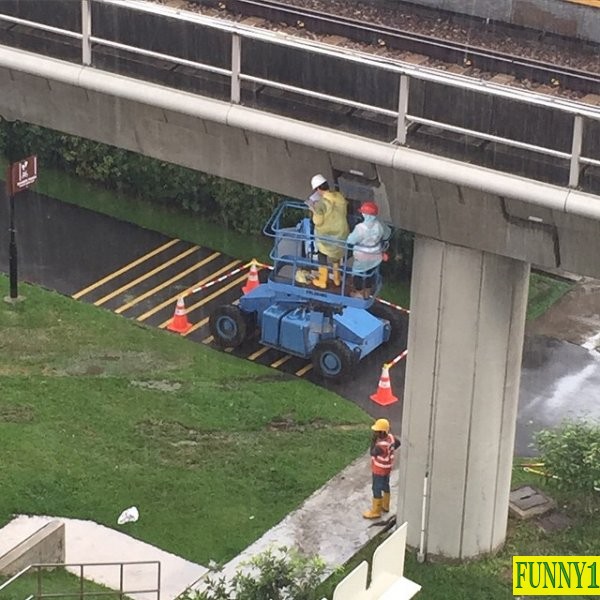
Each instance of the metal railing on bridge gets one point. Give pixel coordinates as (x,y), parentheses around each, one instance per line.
(395,107)
(83,591)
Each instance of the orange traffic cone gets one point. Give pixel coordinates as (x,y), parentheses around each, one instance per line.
(384,395)
(180,323)
(252,279)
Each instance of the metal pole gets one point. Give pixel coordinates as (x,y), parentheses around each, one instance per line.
(402,109)
(121,582)
(421,552)
(86,32)
(158,582)
(576,151)
(12,248)
(236,65)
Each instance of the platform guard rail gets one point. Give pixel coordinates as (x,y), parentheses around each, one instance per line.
(82,593)
(579,112)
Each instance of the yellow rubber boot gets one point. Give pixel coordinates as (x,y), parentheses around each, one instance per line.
(302,276)
(337,280)
(385,502)
(321,280)
(375,511)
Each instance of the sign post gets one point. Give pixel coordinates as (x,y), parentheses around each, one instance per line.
(21,175)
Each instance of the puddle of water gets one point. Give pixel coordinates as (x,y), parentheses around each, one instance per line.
(565,385)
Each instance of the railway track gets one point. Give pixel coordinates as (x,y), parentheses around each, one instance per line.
(471,58)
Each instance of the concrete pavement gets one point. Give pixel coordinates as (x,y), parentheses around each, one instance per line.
(89,542)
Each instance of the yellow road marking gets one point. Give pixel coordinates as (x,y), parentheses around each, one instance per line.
(594,3)
(208,299)
(173,298)
(281,361)
(204,301)
(123,269)
(208,340)
(258,353)
(145,276)
(166,283)
(304,370)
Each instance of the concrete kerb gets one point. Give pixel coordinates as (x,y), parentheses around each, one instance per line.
(44,545)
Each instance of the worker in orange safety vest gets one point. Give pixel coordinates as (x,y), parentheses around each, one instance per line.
(383,444)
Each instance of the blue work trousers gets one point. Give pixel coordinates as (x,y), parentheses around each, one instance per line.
(381,483)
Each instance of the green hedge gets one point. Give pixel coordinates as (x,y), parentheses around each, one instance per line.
(237,207)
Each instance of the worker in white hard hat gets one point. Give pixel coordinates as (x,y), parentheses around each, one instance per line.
(383,444)
(330,220)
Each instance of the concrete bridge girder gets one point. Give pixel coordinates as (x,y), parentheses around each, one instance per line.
(434,197)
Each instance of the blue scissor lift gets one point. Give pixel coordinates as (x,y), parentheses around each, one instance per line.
(331,327)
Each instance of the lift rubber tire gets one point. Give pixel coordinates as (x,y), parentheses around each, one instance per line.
(398,321)
(229,326)
(332,359)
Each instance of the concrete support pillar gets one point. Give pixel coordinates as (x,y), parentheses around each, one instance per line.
(460,399)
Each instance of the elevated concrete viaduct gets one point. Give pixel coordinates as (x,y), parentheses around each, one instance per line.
(477,231)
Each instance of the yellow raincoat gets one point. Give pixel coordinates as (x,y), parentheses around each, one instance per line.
(330,220)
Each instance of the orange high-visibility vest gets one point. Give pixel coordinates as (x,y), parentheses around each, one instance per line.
(382,463)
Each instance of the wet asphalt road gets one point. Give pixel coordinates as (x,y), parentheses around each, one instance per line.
(140,273)
(559,380)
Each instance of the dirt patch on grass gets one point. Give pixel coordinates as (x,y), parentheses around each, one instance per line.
(288,423)
(182,446)
(574,318)
(240,382)
(112,363)
(18,413)
(160,386)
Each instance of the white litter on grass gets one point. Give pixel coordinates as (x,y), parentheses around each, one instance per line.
(129,515)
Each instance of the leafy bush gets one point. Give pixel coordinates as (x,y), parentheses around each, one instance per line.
(571,453)
(280,574)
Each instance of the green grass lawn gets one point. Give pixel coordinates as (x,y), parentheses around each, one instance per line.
(98,414)
(491,578)
(544,291)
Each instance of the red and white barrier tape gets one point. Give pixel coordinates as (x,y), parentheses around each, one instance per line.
(220,279)
(396,360)
(396,306)
(230,274)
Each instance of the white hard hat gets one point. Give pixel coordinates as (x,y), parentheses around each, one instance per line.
(317,181)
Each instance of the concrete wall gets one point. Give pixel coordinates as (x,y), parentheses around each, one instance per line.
(562,17)
(47,545)
(281,155)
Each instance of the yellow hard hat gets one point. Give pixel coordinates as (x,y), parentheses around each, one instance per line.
(381,425)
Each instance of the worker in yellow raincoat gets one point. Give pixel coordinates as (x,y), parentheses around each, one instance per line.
(330,219)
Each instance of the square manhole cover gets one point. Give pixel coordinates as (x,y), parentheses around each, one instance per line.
(527,502)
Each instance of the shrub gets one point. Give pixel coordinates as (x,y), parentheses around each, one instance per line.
(280,574)
(571,453)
